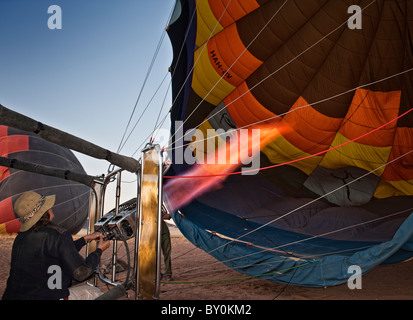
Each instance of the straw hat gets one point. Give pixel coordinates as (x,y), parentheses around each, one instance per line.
(30,207)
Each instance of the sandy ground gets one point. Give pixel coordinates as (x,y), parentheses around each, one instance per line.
(198,276)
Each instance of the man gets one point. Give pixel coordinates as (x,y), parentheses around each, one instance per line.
(45,260)
(166,245)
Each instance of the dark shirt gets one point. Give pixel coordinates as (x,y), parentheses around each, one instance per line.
(45,262)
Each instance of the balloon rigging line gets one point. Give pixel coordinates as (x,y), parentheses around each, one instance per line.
(203,48)
(317,257)
(187,78)
(343,144)
(299,256)
(146,108)
(306,204)
(145,80)
(312,201)
(280,115)
(243,277)
(339,146)
(160,111)
(47,152)
(172,75)
(211,34)
(150,136)
(345,184)
(140,92)
(280,272)
(271,74)
(296,160)
(86,203)
(295,109)
(221,268)
(71,199)
(74,184)
(155,131)
(346,228)
(238,267)
(63,202)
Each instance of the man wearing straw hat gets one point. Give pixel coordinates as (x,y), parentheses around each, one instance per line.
(45,259)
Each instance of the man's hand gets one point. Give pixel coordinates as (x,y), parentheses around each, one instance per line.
(103,244)
(92,236)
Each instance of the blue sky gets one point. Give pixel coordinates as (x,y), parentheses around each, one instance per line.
(85,78)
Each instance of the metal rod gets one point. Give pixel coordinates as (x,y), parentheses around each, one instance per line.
(115,242)
(16,120)
(48,171)
(138,216)
(94,209)
(139,224)
(105,181)
(158,248)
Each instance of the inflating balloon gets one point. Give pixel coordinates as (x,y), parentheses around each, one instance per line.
(72,199)
(335,187)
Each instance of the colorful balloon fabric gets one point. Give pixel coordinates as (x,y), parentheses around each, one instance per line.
(72,199)
(335,187)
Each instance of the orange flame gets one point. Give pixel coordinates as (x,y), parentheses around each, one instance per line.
(202,178)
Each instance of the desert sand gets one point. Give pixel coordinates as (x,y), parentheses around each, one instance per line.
(198,276)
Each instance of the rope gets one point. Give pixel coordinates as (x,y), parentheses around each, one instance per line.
(170,83)
(72,162)
(302,107)
(246,48)
(314,258)
(274,72)
(146,108)
(262,263)
(304,205)
(241,278)
(143,85)
(187,78)
(312,201)
(295,160)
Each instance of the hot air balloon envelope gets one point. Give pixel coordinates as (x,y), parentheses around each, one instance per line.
(72,199)
(340,184)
